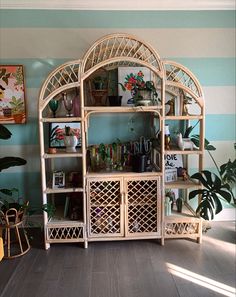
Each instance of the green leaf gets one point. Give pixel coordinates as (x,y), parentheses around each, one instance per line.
(7,162)
(4,132)
(194,193)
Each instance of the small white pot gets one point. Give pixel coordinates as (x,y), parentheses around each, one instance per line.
(70,143)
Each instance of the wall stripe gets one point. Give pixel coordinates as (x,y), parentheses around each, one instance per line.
(209,71)
(116,19)
(73,42)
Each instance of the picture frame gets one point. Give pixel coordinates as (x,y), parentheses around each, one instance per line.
(58,179)
(172,163)
(57,133)
(127,97)
(12,95)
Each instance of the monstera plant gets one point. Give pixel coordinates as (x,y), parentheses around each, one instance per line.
(6,162)
(215,187)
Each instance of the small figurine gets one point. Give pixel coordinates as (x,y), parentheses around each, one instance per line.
(182,172)
(184,143)
(171,103)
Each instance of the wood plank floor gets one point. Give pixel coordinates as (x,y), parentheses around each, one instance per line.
(181,268)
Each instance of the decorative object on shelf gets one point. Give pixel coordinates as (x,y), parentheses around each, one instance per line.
(172,163)
(186,100)
(12,95)
(168,204)
(52,150)
(100,82)
(57,134)
(143,93)
(167,137)
(179,204)
(184,143)
(70,140)
(171,103)
(99,96)
(182,172)
(53,105)
(68,103)
(58,179)
(77,103)
(115,100)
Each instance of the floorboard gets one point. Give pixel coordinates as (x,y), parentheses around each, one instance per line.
(142,268)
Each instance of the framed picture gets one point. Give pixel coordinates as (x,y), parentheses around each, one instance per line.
(12,95)
(58,179)
(124,73)
(172,163)
(57,133)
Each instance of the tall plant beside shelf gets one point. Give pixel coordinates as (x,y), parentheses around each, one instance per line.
(7,162)
(215,186)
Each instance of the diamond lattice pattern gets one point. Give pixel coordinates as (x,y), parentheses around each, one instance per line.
(105,207)
(57,233)
(181,228)
(142,206)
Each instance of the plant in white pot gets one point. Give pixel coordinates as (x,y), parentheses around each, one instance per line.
(70,139)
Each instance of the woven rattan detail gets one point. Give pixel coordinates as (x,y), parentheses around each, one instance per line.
(142,206)
(181,228)
(62,233)
(105,207)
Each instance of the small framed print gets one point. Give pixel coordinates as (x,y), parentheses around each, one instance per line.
(171,175)
(12,95)
(58,180)
(57,133)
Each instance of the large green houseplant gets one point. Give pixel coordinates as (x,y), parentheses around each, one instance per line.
(216,187)
(7,162)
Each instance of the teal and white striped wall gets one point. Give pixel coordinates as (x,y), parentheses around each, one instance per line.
(203,41)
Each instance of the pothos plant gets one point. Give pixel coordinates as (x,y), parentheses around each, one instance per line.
(215,186)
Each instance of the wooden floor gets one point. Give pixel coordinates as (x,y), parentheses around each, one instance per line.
(181,268)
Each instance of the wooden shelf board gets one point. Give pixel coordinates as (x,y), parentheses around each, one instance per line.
(189,117)
(105,109)
(186,152)
(64,222)
(63,190)
(63,154)
(181,184)
(121,174)
(61,120)
(186,213)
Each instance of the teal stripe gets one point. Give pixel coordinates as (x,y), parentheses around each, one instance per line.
(220,127)
(28,184)
(209,71)
(26,134)
(116,19)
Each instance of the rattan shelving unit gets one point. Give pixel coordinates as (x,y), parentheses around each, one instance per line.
(117,205)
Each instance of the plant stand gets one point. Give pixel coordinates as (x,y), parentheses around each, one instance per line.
(16,242)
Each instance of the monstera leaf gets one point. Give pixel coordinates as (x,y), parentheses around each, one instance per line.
(4,132)
(210,196)
(7,162)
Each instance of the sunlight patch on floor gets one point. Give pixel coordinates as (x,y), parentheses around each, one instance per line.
(201,280)
(221,244)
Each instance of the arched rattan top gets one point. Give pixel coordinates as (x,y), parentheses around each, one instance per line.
(60,79)
(176,75)
(112,50)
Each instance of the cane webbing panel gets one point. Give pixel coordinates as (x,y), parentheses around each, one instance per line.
(143,211)
(64,233)
(122,47)
(104,207)
(181,229)
(63,76)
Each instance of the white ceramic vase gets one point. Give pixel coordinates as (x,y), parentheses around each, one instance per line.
(70,143)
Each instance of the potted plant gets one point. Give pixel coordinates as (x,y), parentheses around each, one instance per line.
(99,82)
(17,106)
(143,92)
(6,162)
(216,187)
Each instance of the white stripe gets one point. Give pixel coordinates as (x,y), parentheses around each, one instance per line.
(73,43)
(224,151)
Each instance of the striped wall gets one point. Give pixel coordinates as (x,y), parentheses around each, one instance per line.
(204,41)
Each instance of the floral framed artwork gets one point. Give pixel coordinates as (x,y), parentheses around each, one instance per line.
(132,78)
(12,95)
(57,131)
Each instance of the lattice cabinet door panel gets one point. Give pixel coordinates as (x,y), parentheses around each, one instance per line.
(105,209)
(143,206)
